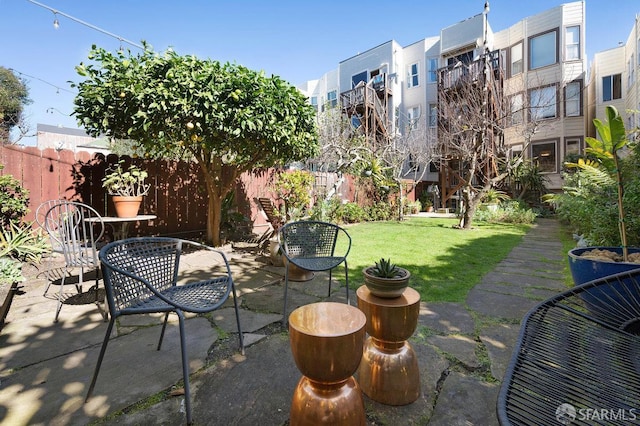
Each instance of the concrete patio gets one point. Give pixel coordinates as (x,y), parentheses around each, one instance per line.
(463,350)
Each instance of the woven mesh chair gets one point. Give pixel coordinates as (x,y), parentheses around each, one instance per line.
(140,277)
(582,348)
(312,245)
(75,230)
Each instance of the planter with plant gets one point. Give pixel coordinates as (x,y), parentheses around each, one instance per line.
(605,170)
(386,279)
(126,187)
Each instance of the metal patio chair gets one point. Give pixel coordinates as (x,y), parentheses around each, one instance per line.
(75,230)
(312,245)
(141,276)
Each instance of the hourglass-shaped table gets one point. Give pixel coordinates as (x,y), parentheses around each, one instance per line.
(326,342)
(388,372)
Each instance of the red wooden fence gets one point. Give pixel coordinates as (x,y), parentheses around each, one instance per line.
(178,196)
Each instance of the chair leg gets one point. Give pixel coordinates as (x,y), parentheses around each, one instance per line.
(60,295)
(185,367)
(346,280)
(235,304)
(164,326)
(100,357)
(329,294)
(286,286)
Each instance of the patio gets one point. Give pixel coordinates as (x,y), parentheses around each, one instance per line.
(462,350)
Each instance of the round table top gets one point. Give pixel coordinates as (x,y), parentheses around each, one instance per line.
(327,319)
(409,297)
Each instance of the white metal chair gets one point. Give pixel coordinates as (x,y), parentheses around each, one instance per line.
(75,229)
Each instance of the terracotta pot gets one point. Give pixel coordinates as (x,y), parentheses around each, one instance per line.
(126,206)
(386,287)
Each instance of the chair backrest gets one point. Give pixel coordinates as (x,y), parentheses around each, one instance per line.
(311,239)
(41,213)
(133,266)
(76,229)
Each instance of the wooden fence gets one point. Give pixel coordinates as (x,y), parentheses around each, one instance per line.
(178,196)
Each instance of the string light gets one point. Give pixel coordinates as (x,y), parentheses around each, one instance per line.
(58,88)
(56,24)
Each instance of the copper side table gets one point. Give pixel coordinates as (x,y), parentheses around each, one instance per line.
(389,370)
(326,341)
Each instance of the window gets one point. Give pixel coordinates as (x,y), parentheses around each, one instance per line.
(433,70)
(572,43)
(611,87)
(572,146)
(314,102)
(515,151)
(413,115)
(412,75)
(544,154)
(332,99)
(542,103)
(543,50)
(573,99)
(517,109)
(631,72)
(357,78)
(433,115)
(516,59)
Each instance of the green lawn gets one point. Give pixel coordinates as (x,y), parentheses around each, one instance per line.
(445,263)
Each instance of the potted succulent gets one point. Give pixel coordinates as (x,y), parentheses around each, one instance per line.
(126,187)
(588,263)
(386,279)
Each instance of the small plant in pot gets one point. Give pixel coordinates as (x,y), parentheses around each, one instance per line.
(126,187)
(386,279)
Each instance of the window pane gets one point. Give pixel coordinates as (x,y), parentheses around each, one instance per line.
(358,78)
(617,86)
(572,41)
(517,113)
(606,88)
(545,155)
(433,70)
(542,50)
(516,59)
(433,115)
(572,101)
(573,147)
(543,103)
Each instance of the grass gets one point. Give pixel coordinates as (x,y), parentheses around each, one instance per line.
(445,262)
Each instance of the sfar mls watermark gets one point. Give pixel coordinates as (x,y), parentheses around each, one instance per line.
(567,413)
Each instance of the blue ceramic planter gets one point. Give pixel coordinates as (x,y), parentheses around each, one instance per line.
(584,270)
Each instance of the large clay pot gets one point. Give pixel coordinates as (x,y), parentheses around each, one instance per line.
(126,206)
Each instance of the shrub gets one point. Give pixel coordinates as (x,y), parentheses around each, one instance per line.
(10,271)
(507,212)
(14,201)
(351,213)
(379,211)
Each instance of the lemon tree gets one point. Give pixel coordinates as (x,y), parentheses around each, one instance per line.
(226,117)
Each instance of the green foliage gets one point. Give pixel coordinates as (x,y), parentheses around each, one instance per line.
(10,271)
(14,201)
(379,211)
(594,198)
(228,118)
(493,196)
(130,182)
(511,211)
(350,213)
(385,269)
(14,95)
(294,188)
(22,243)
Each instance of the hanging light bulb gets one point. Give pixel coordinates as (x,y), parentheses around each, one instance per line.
(56,23)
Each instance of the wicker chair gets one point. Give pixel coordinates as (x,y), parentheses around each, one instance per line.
(312,245)
(141,275)
(75,230)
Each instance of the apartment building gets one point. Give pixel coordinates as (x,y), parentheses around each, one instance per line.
(541,63)
(614,81)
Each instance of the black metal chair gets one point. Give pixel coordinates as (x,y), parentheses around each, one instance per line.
(141,275)
(577,350)
(312,245)
(75,230)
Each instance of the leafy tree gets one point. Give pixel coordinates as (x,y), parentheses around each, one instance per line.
(226,117)
(14,95)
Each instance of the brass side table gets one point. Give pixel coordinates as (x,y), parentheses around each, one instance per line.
(326,341)
(389,370)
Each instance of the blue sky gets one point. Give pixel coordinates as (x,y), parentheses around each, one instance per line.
(297,40)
